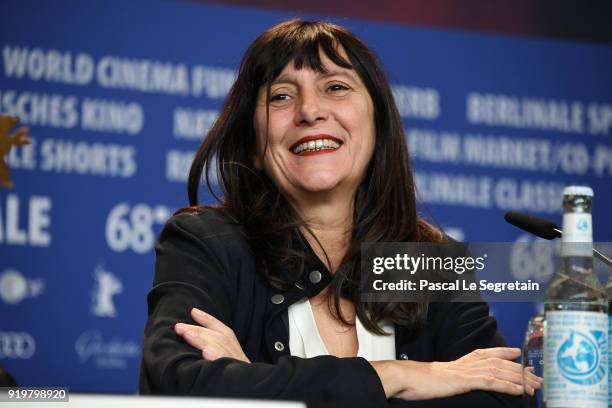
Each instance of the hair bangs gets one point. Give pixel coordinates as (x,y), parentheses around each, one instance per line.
(302,46)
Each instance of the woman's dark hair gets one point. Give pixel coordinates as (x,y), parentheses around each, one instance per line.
(385,205)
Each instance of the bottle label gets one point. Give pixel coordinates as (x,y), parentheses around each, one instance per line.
(609,362)
(576,359)
(577,239)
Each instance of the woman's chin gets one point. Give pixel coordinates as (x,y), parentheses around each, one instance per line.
(319,186)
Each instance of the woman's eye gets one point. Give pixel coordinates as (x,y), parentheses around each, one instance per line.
(337,87)
(279,97)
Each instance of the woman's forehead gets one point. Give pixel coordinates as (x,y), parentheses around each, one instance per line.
(290,72)
(326,68)
(316,57)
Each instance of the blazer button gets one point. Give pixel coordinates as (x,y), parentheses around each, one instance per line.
(315,277)
(279,346)
(404,356)
(277,299)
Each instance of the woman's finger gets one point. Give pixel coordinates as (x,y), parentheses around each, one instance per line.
(505,353)
(512,376)
(490,383)
(199,337)
(500,374)
(192,338)
(507,370)
(206,343)
(531,377)
(208,320)
(511,366)
(180,328)
(212,335)
(228,342)
(502,364)
(212,344)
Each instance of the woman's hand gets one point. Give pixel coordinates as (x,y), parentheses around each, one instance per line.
(485,369)
(213,338)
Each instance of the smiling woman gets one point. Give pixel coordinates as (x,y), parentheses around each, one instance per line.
(317,130)
(258,297)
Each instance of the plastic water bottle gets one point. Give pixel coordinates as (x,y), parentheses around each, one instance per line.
(533,356)
(609,292)
(576,313)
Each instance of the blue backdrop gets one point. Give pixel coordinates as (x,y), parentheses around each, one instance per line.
(118,95)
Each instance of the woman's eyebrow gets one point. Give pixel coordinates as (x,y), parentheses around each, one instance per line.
(282,79)
(344,73)
(289,79)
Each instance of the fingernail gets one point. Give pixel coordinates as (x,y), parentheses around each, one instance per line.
(179,327)
(191,334)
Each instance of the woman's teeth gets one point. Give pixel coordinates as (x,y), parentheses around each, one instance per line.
(316,145)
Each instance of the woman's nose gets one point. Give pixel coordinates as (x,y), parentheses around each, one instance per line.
(310,109)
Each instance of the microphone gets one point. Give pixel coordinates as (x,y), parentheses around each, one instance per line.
(543,228)
(535,225)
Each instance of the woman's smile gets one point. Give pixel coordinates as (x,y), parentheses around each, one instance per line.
(316,144)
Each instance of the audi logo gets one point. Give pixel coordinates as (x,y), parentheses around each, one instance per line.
(16,345)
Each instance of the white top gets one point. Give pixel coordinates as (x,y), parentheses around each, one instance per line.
(305,340)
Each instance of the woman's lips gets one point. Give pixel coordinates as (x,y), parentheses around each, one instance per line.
(316,152)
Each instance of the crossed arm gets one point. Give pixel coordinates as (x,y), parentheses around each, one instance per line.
(490,369)
(197,267)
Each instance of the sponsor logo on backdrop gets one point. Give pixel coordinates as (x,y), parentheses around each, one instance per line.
(14,287)
(17,345)
(106,286)
(92,348)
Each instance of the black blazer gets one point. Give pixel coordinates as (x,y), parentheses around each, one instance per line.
(204,261)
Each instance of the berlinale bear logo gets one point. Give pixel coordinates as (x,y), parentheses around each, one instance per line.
(107,286)
(7,141)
